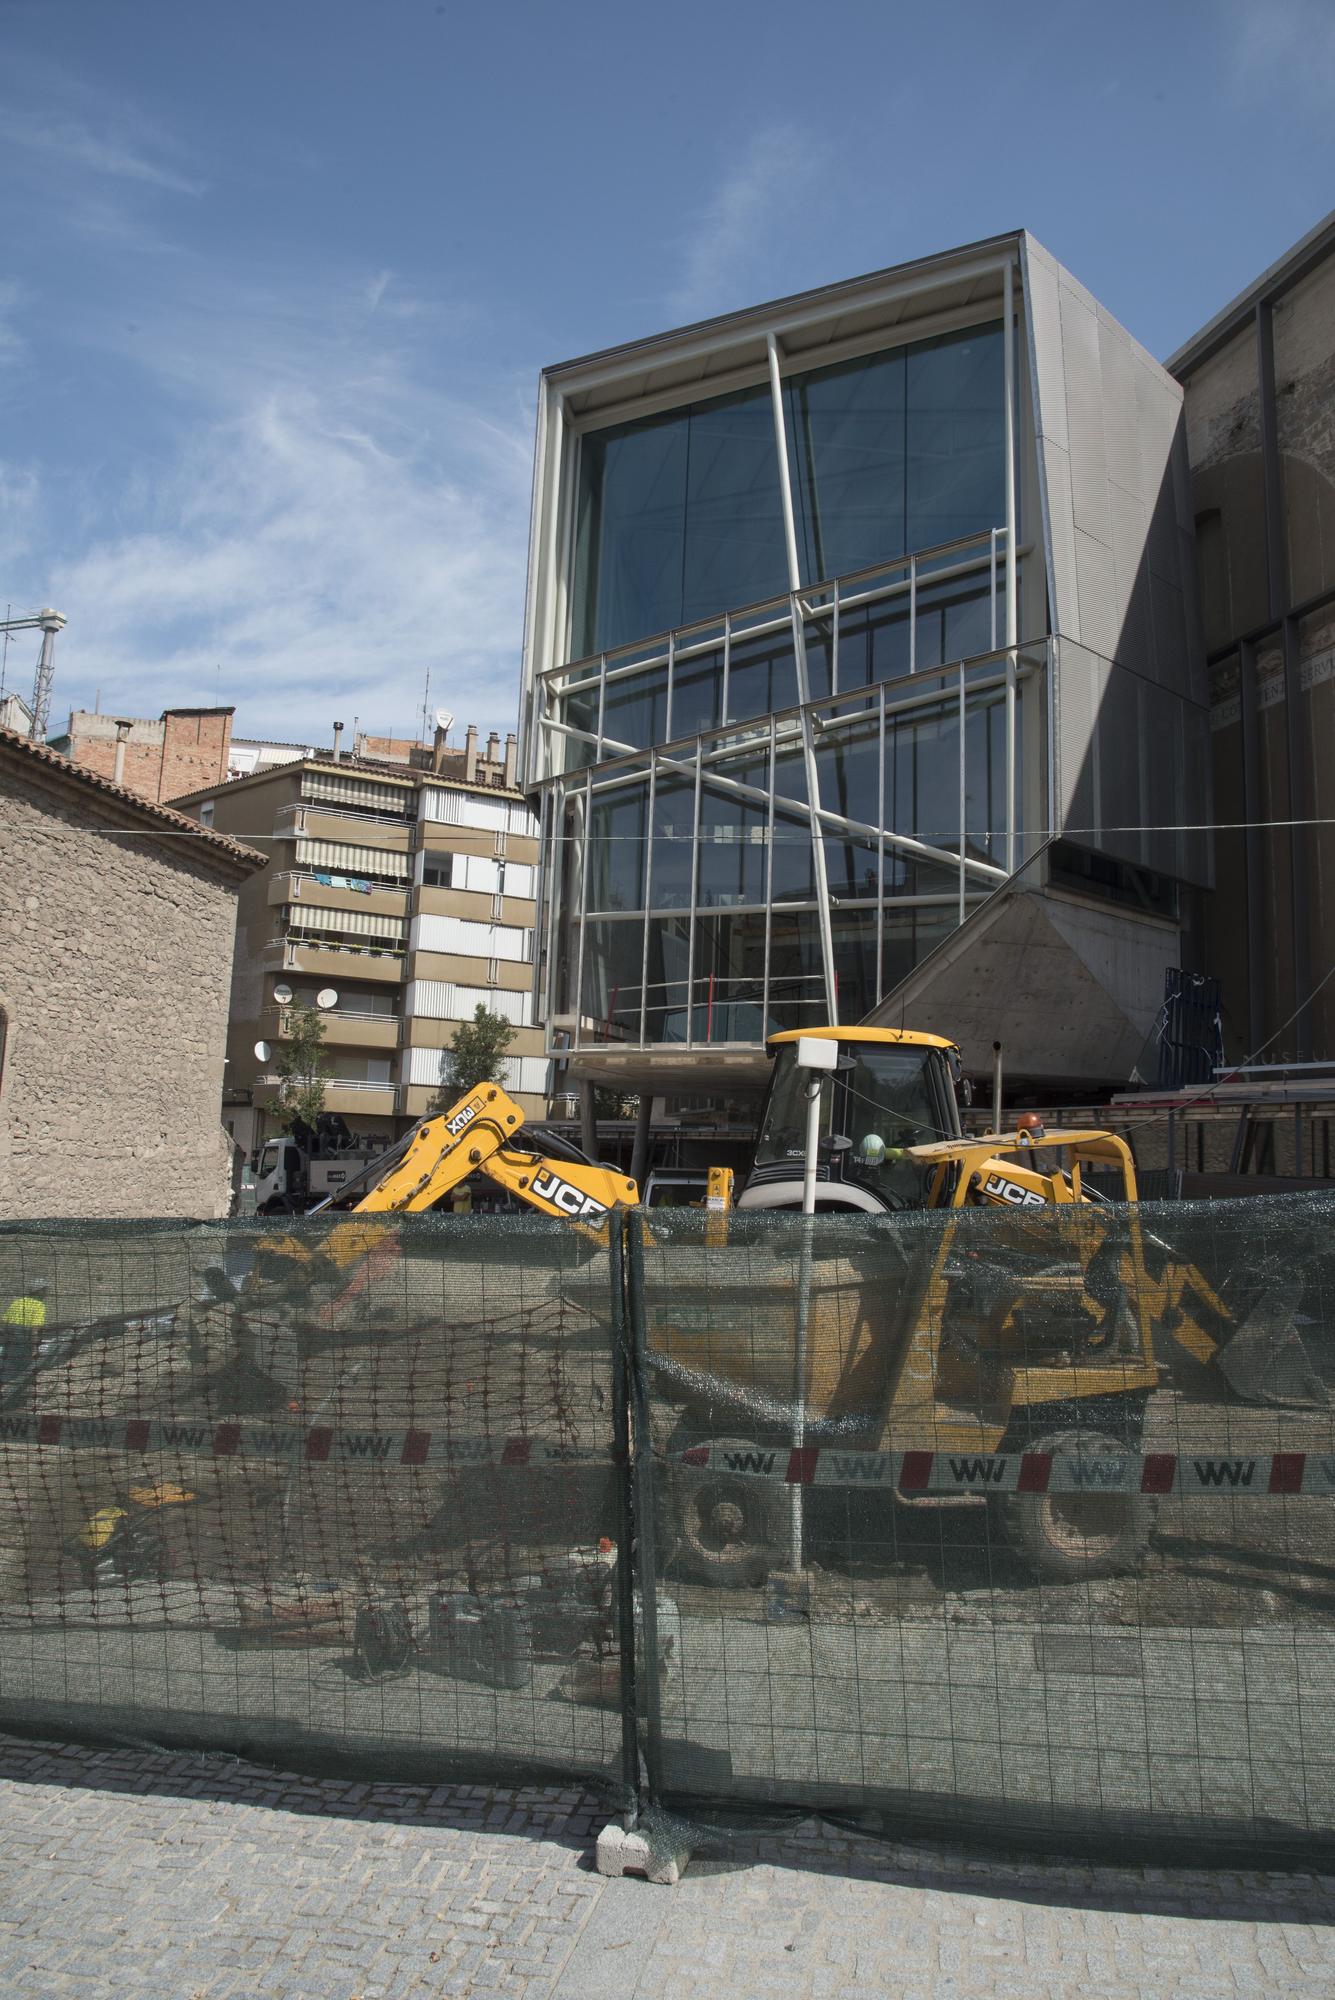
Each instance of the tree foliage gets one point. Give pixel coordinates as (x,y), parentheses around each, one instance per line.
(476,1053)
(302,1069)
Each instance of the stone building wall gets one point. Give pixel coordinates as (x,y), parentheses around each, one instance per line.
(114,973)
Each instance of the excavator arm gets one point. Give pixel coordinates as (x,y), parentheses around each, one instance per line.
(475,1136)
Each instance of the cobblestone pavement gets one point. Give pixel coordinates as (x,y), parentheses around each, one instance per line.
(134,1875)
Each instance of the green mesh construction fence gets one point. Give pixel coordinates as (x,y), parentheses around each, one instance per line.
(999,1522)
(1016,1523)
(348,1495)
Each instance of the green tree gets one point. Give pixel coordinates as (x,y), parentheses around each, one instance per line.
(614,1104)
(302,1070)
(476,1052)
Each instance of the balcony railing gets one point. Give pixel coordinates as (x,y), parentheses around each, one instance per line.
(342,1025)
(329,809)
(289,946)
(299,883)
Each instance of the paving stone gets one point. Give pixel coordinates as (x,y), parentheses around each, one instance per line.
(203,1878)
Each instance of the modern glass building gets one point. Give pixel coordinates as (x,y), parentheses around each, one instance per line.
(853,620)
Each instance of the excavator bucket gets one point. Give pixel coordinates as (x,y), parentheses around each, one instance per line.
(1266,1361)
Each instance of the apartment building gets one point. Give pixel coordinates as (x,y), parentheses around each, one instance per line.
(396,900)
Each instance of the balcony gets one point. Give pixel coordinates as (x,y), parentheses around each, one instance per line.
(328,960)
(343,1029)
(295,886)
(353,1097)
(342,824)
(477,905)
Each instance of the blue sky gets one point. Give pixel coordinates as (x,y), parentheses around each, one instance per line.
(279,276)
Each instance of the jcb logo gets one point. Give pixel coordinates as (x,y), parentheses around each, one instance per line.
(1000,1189)
(454,1126)
(570,1200)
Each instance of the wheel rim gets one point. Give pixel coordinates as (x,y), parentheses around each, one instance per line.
(716,1525)
(1083,1524)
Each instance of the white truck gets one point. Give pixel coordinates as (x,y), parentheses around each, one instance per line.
(291,1177)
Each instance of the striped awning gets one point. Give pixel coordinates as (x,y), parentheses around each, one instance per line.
(364,792)
(341,857)
(307,917)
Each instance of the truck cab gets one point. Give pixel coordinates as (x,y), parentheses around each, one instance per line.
(289,1178)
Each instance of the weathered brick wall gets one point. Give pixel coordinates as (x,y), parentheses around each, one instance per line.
(164,760)
(115,961)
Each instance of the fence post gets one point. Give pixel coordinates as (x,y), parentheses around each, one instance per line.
(625,1473)
(642,1457)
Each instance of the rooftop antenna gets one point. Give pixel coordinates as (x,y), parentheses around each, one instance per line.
(426,709)
(4,653)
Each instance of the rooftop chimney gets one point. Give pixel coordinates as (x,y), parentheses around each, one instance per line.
(493,748)
(118,768)
(470,753)
(338,740)
(440,748)
(511,760)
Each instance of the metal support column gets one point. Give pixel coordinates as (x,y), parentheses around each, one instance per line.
(639,1156)
(588,1123)
(785,478)
(804,690)
(622,1458)
(643,1490)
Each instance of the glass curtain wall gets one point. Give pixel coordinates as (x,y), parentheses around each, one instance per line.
(690,908)
(679,517)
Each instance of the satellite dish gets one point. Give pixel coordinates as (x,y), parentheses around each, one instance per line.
(445,720)
(326,998)
(282,993)
(263,1051)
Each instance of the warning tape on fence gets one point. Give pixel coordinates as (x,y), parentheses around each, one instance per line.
(313,1444)
(911,1472)
(926,1472)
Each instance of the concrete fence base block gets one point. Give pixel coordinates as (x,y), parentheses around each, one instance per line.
(621,1853)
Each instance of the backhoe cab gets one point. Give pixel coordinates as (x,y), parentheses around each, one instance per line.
(891,1137)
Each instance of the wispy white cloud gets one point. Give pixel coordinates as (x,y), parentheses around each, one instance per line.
(75,144)
(735,234)
(1290,41)
(314,507)
(334,525)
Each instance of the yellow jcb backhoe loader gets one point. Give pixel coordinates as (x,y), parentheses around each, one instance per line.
(980,1344)
(918,1341)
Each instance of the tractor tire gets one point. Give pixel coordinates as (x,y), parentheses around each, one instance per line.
(727,1530)
(1073,1537)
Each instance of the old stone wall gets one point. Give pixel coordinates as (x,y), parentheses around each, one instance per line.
(115,960)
